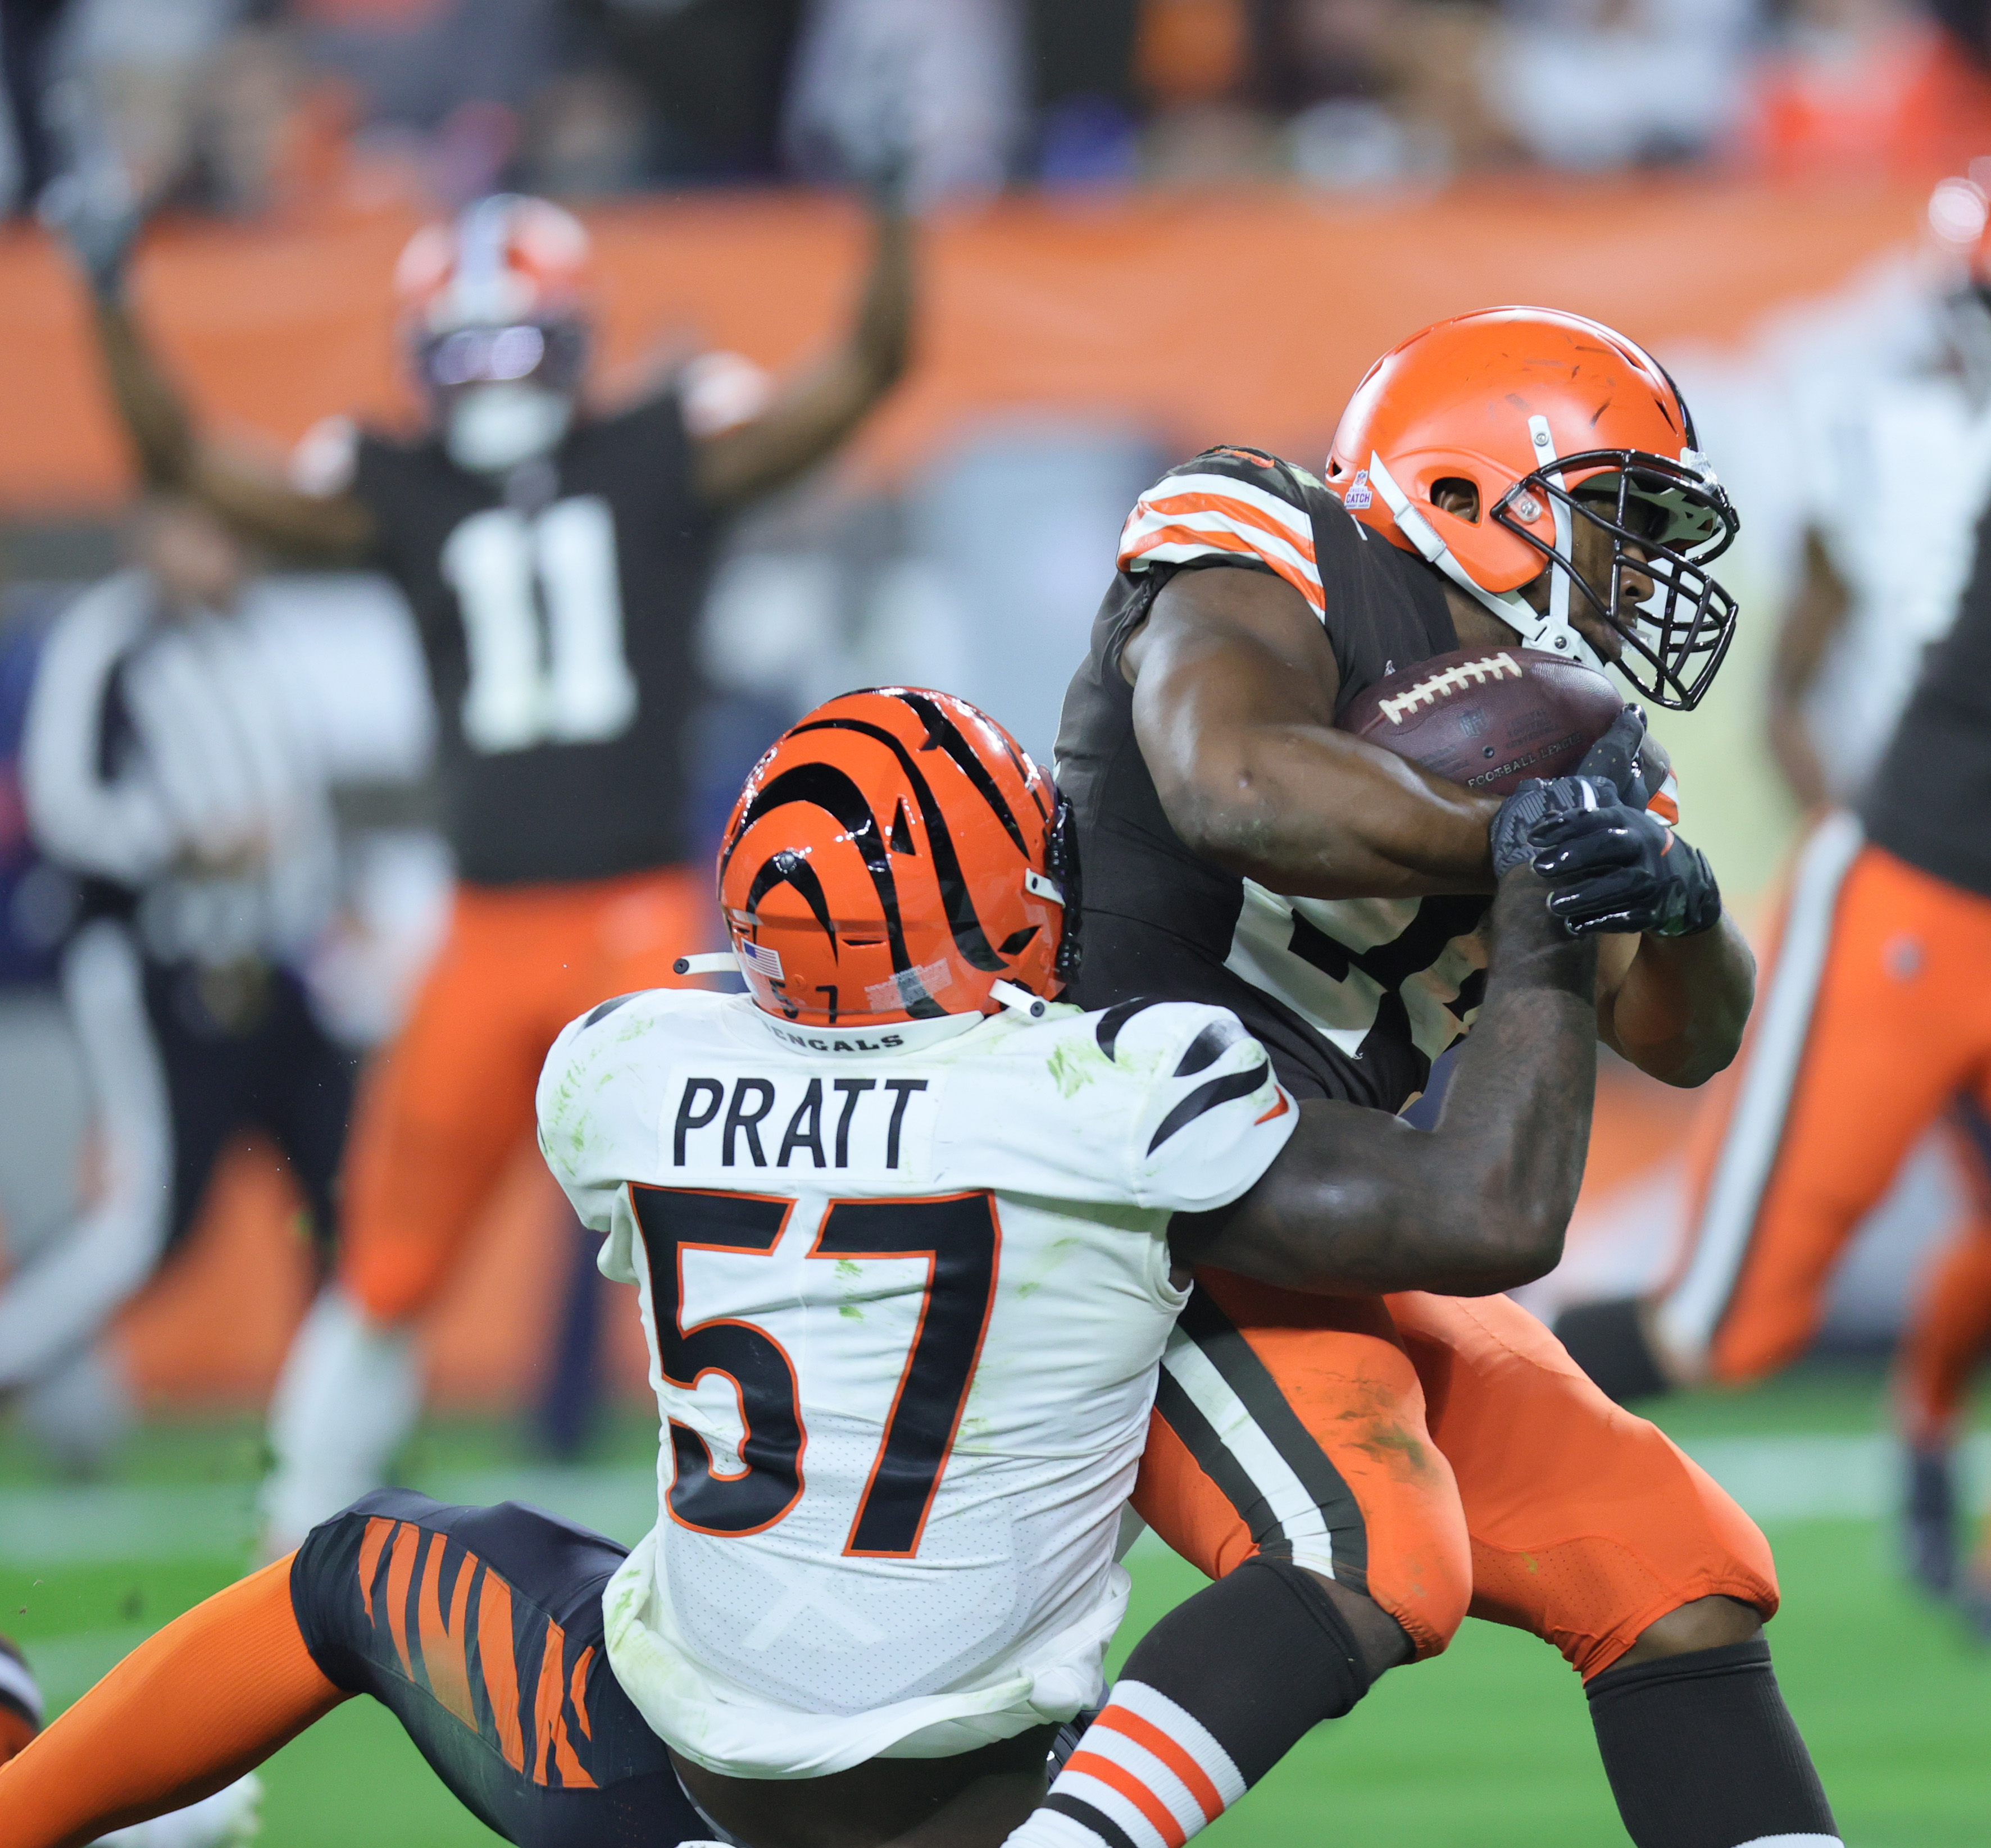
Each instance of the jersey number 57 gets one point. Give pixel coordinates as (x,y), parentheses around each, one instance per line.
(957,1235)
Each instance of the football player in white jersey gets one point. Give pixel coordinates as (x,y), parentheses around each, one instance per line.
(907,1235)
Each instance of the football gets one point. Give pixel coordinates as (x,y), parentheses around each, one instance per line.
(1488,717)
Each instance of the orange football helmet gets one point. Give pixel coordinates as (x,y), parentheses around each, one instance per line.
(1554,418)
(499,295)
(896,855)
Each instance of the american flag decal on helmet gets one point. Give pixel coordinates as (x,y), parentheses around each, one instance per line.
(762,961)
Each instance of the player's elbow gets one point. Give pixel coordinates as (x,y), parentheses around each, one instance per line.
(1222,811)
(1525,1243)
(1706,1048)
(1509,1226)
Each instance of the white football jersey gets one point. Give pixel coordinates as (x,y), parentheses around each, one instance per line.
(1893,466)
(906,1292)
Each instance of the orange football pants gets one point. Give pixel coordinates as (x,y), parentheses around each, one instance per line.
(1446,1456)
(1873,1025)
(444,1107)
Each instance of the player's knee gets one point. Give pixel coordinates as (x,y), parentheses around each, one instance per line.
(1703,1623)
(1380,1642)
(1417,1589)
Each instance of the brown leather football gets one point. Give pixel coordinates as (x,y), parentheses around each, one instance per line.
(1488,717)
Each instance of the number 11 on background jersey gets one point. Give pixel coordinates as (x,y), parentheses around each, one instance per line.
(564,681)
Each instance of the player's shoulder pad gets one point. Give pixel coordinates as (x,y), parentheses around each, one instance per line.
(597,1097)
(1231,506)
(610,1027)
(1211,1115)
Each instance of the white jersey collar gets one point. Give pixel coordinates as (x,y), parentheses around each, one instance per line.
(896,1037)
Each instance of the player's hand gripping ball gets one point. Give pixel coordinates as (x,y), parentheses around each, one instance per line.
(1491,718)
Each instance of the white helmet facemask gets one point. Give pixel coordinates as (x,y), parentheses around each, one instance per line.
(491,428)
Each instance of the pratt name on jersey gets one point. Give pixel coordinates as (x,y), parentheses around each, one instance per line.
(754,1098)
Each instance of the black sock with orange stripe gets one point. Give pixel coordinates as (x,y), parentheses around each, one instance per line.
(1211,1699)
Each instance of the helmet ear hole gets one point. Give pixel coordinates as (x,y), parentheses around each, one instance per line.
(1456,494)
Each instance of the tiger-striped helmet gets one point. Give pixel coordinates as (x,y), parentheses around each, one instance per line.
(894,857)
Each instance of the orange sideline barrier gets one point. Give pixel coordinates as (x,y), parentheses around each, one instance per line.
(1236,316)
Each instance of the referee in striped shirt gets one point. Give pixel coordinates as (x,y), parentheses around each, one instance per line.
(161,768)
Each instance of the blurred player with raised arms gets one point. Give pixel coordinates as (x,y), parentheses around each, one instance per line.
(556,562)
(907,1236)
(1517,475)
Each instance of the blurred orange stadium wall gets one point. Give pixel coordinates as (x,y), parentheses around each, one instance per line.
(1114,306)
(1120,308)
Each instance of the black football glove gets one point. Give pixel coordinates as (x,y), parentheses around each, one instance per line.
(1531,807)
(1618,757)
(1620,868)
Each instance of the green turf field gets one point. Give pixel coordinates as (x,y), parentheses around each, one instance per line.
(1488,1746)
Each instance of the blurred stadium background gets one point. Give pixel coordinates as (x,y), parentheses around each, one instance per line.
(1152,225)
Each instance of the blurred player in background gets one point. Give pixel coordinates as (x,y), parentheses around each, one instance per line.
(910,1216)
(556,561)
(160,768)
(1517,475)
(1867,1037)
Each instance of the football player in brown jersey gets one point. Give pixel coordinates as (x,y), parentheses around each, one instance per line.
(1513,476)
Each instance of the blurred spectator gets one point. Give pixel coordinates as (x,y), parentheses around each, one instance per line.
(28,35)
(135,74)
(416,61)
(1345,93)
(1382,90)
(446,81)
(1854,87)
(672,90)
(1082,69)
(1193,63)
(1590,84)
(941,78)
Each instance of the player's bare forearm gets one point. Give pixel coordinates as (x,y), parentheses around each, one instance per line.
(1678,1009)
(1811,626)
(1235,687)
(814,414)
(172,457)
(153,415)
(1359,1203)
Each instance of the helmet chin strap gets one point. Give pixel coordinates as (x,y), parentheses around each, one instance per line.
(1552,633)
